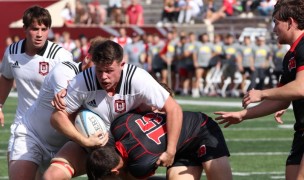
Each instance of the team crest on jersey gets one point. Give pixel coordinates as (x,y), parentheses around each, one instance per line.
(120,105)
(201,151)
(291,64)
(43,68)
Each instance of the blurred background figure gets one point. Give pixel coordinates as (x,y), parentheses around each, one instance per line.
(68,14)
(134,14)
(115,12)
(123,39)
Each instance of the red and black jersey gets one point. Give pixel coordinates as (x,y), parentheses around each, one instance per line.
(141,138)
(294,62)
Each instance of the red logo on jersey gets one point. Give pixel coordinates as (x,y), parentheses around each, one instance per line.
(291,64)
(43,68)
(120,105)
(201,151)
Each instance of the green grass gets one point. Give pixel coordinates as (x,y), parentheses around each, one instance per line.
(258,147)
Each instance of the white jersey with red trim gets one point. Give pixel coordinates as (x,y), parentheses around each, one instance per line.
(29,71)
(37,118)
(136,88)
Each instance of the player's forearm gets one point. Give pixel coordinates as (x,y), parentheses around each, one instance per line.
(63,124)
(264,108)
(6,86)
(290,91)
(174,126)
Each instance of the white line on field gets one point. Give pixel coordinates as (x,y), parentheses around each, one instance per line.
(259,139)
(259,154)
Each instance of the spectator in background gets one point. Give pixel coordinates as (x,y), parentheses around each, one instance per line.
(57,38)
(230,62)
(278,54)
(76,52)
(67,42)
(135,14)
(81,14)
(189,9)
(168,13)
(97,13)
(153,54)
(266,7)
(8,41)
(167,55)
(247,8)
(225,10)
(247,68)
(85,45)
(202,55)
(16,38)
(262,57)
(123,39)
(134,50)
(68,14)
(147,39)
(115,12)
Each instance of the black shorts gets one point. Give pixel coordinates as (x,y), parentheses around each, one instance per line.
(211,144)
(246,69)
(297,149)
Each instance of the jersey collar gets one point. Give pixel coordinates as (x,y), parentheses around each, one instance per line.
(122,151)
(40,52)
(294,45)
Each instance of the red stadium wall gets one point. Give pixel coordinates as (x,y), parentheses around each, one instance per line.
(12,10)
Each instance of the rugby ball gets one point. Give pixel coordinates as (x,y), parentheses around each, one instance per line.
(88,123)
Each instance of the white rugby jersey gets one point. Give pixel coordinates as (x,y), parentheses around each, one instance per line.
(30,71)
(37,118)
(136,87)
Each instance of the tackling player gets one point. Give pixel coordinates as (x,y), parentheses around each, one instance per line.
(111,88)
(140,139)
(28,61)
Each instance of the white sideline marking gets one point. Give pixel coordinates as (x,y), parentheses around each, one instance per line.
(257,129)
(259,139)
(259,154)
(255,173)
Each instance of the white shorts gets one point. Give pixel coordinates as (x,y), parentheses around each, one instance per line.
(12,136)
(28,147)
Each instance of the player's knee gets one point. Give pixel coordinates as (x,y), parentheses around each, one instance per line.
(59,169)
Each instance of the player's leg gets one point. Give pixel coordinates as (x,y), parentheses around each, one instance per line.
(22,169)
(214,152)
(68,162)
(25,155)
(295,161)
(301,169)
(218,169)
(184,172)
(291,172)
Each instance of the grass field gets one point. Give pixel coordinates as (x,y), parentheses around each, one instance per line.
(258,147)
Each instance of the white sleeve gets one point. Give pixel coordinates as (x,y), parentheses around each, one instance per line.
(75,98)
(5,68)
(64,55)
(61,76)
(152,92)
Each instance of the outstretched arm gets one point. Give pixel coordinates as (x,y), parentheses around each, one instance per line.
(289,92)
(264,108)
